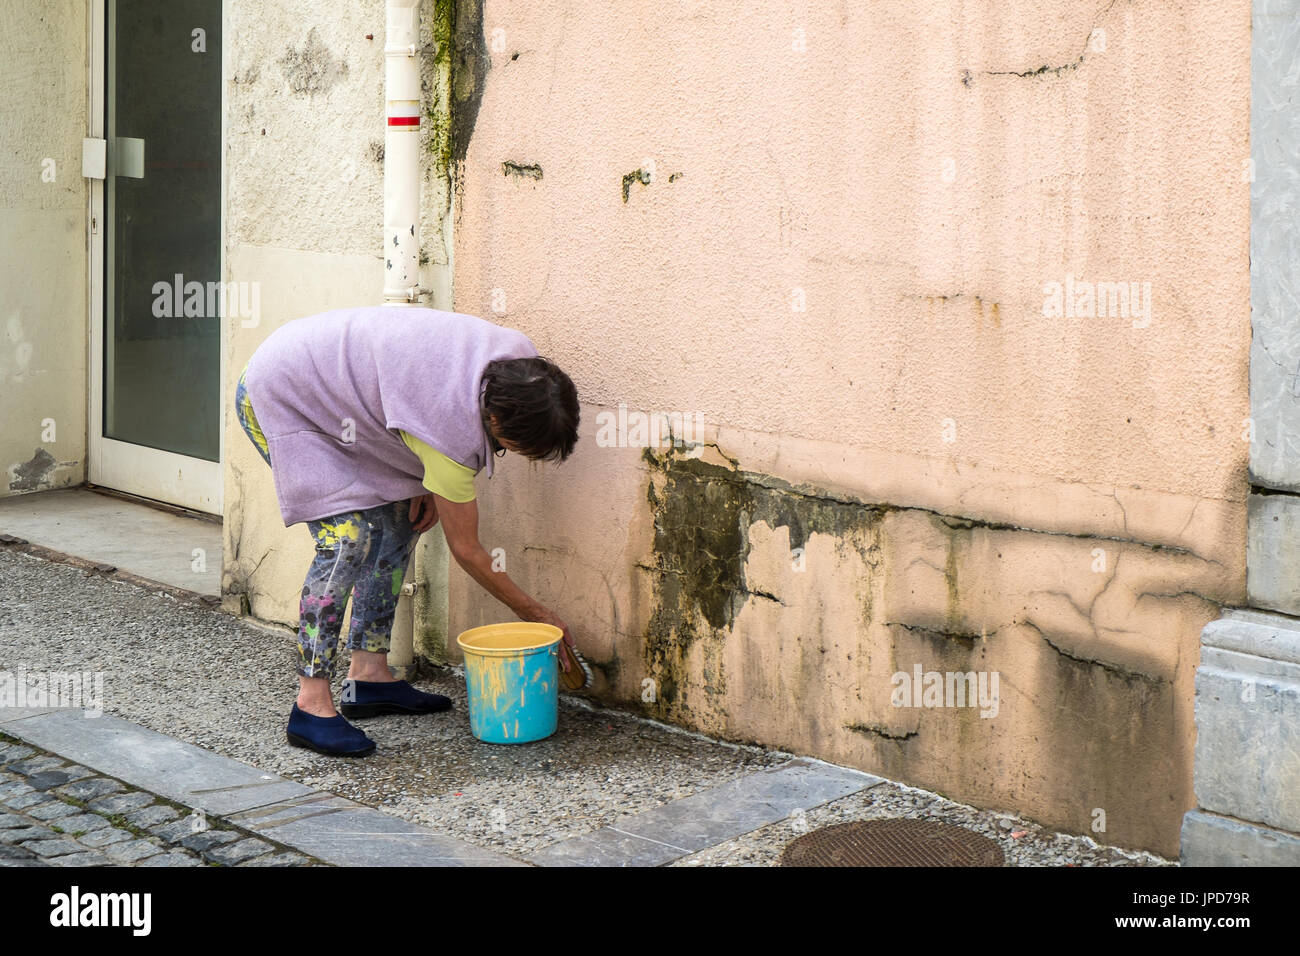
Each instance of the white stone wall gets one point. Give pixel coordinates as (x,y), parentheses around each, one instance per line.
(43,200)
(304,220)
(1247,764)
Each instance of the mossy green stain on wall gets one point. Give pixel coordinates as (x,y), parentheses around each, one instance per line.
(437,115)
(701,518)
(702,514)
(468,70)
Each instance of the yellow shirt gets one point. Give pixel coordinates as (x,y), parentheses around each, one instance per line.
(442,476)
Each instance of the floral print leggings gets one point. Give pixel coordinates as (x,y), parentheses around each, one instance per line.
(362,554)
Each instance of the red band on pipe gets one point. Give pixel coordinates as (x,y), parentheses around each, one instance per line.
(403,121)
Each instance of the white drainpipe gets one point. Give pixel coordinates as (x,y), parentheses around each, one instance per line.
(402,230)
(402,154)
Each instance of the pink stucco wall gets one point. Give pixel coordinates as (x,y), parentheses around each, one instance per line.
(840,262)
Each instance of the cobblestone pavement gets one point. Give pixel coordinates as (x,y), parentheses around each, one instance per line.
(56,813)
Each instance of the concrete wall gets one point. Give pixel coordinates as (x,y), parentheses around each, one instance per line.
(1275,245)
(43,201)
(304,220)
(1273,565)
(1248,682)
(833,234)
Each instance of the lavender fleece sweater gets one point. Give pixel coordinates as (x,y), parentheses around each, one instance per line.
(362,374)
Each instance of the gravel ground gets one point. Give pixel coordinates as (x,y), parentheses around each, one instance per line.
(227,684)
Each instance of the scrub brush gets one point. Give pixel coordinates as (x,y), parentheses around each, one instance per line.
(578,675)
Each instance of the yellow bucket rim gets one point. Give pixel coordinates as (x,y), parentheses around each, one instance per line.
(547,634)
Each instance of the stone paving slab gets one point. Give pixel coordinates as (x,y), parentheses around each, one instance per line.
(155,762)
(21,713)
(78,820)
(337,830)
(234,853)
(54,810)
(102,837)
(132,851)
(181,859)
(608,846)
(712,816)
(21,835)
(329,828)
(83,823)
(17,856)
(152,816)
(52,847)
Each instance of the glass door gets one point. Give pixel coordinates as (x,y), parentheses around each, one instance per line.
(156,430)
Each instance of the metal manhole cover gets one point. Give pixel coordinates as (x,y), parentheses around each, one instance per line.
(892,843)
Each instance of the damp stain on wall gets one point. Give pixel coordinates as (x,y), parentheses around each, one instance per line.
(703,514)
(469,66)
(917,581)
(312,68)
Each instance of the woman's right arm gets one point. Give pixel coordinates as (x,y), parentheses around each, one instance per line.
(460,526)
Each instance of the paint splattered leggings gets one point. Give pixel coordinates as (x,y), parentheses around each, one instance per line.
(362,554)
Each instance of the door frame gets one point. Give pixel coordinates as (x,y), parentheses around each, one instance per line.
(192,483)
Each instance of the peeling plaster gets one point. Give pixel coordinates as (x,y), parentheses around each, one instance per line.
(521,171)
(635,176)
(36,473)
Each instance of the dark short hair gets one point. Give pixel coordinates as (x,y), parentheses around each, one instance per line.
(535,405)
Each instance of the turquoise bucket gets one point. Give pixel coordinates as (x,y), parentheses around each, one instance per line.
(512,674)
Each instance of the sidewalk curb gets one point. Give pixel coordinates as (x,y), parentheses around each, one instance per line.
(320,824)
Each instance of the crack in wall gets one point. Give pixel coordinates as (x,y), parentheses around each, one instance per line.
(240,581)
(1086,613)
(1053,70)
(873,731)
(747,592)
(964,637)
(1124,672)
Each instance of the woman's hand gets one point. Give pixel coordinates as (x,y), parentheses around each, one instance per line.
(542,615)
(423,513)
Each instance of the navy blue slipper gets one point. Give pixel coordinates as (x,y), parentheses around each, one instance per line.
(363,698)
(331,736)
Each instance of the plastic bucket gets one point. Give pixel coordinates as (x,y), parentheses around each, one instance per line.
(512,673)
